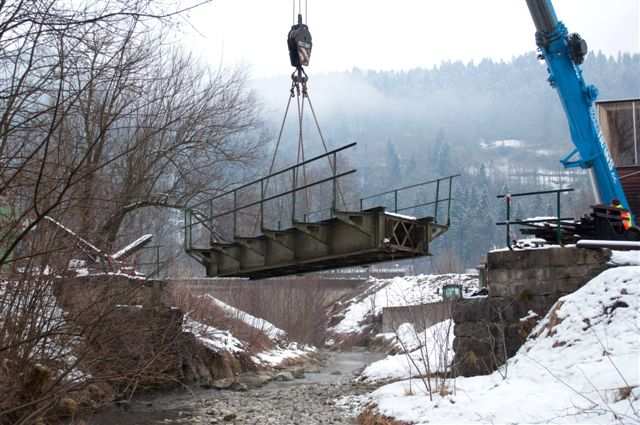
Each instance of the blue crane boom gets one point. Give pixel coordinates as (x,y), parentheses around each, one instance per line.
(564,54)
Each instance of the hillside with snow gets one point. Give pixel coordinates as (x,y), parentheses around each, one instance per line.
(355,315)
(581,364)
(265,344)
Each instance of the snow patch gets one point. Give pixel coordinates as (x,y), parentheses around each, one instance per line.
(264,326)
(580,365)
(433,345)
(397,292)
(214,339)
(625,258)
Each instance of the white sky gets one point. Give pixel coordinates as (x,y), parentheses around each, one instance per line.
(400,34)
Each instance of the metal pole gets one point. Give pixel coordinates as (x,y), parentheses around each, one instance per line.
(335,185)
(635,131)
(508,199)
(211,220)
(157,260)
(449,202)
(235,213)
(261,204)
(187,229)
(435,214)
(558,232)
(293,196)
(361,204)
(395,195)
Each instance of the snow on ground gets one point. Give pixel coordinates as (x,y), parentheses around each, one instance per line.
(625,258)
(264,326)
(399,291)
(434,344)
(280,355)
(219,340)
(216,340)
(580,365)
(133,245)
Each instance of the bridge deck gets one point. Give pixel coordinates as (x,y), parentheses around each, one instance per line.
(348,239)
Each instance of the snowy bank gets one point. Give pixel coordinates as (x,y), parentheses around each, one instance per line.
(262,325)
(580,365)
(396,292)
(433,347)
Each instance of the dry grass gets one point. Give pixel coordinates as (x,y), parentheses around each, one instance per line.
(553,322)
(370,417)
(205,311)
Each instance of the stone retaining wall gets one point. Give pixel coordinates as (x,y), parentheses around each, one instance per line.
(491,329)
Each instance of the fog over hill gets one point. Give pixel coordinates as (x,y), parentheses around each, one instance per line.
(497,123)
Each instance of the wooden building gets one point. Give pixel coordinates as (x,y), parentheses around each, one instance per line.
(620,123)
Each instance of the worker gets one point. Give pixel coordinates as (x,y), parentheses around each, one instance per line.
(625,215)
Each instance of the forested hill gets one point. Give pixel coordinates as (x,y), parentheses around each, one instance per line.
(417,124)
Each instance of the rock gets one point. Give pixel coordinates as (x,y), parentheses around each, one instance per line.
(238,386)
(336,372)
(222,384)
(314,368)
(229,417)
(255,381)
(298,373)
(283,377)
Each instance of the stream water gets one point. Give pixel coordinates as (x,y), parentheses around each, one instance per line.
(307,401)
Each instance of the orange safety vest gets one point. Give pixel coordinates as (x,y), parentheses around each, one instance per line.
(626,217)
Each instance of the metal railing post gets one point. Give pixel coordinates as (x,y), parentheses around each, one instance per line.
(395,194)
(335,185)
(449,202)
(435,213)
(361,204)
(235,213)
(293,195)
(187,229)
(157,272)
(211,220)
(261,204)
(558,232)
(508,199)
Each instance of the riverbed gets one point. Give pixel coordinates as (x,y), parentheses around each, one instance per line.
(306,401)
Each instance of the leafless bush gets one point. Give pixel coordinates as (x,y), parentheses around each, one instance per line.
(298,306)
(447,261)
(202,309)
(426,343)
(98,121)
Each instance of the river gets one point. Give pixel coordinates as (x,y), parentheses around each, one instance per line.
(307,401)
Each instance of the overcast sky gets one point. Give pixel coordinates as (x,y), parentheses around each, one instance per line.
(397,34)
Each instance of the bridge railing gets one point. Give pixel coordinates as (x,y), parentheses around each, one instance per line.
(208,213)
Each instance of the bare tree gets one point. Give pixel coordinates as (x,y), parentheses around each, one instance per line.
(98,119)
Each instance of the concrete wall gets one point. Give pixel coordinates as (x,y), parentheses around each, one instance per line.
(421,316)
(489,330)
(223,289)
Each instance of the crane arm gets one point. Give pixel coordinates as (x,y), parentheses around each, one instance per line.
(564,54)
